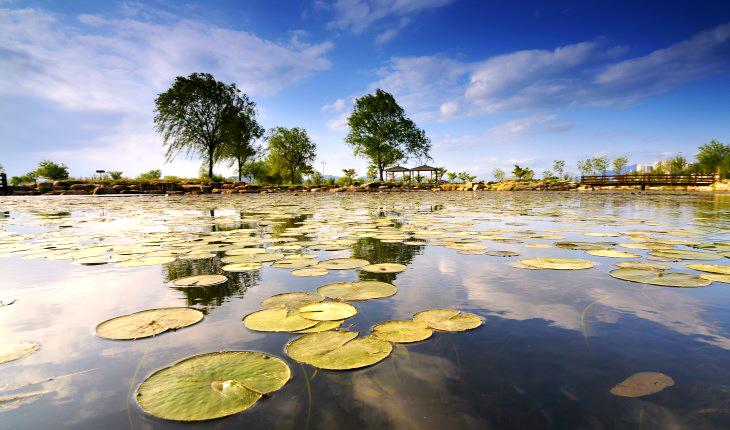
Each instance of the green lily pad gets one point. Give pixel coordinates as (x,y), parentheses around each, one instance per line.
(147,323)
(384,268)
(685,254)
(293,300)
(402,331)
(328,311)
(321,326)
(277,319)
(253,258)
(642,384)
(342,263)
(447,319)
(146,261)
(214,385)
(200,281)
(660,278)
(722,269)
(14,351)
(310,271)
(519,265)
(716,277)
(642,265)
(338,350)
(558,263)
(358,290)
(294,264)
(502,253)
(246,251)
(241,267)
(585,246)
(612,253)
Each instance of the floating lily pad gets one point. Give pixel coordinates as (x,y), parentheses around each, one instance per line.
(612,253)
(685,254)
(277,319)
(311,271)
(253,258)
(585,246)
(519,265)
(321,326)
(447,319)
(558,263)
(661,278)
(200,281)
(241,267)
(294,264)
(328,311)
(642,384)
(716,277)
(146,261)
(147,323)
(293,300)
(384,268)
(14,351)
(642,265)
(342,263)
(502,253)
(711,268)
(246,251)
(196,256)
(211,385)
(402,331)
(358,290)
(338,350)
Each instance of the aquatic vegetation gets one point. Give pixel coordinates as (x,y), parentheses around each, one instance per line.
(147,323)
(14,351)
(642,384)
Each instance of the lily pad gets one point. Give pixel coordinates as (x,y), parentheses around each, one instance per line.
(241,267)
(321,326)
(402,331)
(358,290)
(246,251)
(327,311)
(642,384)
(253,258)
(147,323)
(310,271)
(213,385)
(294,264)
(200,281)
(502,253)
(293,300)
(558,263)
(384,268)
(661,278)
(685,254)
(277,319)
(585,246)
(612,253)
(642,265)
(518,265)
(338,350)
(14,351)
(447,319)
(342,263)
(146,261)
(722,269)
(716,277)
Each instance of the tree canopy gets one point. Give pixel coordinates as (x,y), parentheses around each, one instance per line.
(381,133)
(192,115)
(239,139)
(291,150)
(714,157)
(51,171)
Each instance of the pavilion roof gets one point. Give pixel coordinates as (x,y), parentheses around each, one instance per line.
(397,169)
(424,168)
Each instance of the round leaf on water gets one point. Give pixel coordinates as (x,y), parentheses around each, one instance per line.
(312,271)
(660,278)
(722,269)
(558,263)
(211,385)
(716,277)
(294,264)
(292,300)
(685,254)
(253,258)
(519,265)
(338,350)
(321,326)
(246,251)
(14,351)
(612,253)
(196,256)
(342,263)
(241,267)
(358,290)
(200,281)
(642,265)
(147,323)
(277,319)
(585,246)
(146,261)
(402,331)
(327,311)
(384,268)
(447,319)
(642,384)
(502,253)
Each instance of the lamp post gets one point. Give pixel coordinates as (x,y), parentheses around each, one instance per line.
(101,173)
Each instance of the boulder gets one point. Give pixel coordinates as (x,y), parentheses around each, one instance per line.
(104,190)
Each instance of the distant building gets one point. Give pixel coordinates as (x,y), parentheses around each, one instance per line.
(645,168)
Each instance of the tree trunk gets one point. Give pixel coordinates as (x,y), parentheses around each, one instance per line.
(210,162)
(380,169)
(240,167)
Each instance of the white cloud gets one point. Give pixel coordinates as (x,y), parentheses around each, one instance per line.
(336,106)
(339,123)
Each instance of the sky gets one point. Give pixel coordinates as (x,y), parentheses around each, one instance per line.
(492,83)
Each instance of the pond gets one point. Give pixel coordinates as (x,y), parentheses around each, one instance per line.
(551,348)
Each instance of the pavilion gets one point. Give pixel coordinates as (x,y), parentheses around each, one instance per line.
(417,170)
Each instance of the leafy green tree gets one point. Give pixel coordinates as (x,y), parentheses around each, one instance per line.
(291,150)
(51,171)
(24,179)
(349,175)
(585,166)
(452,176)
(2,169)
(372,172)
(316,177)
(115,174)
(381,133)
(619,164)
(440,172)
(151,175)
(677,165)
(523,173)
(600,164)
(193,114)
(712,156)
(466,177)
(548,174)
(238,139)
(261,171)
(559,168)
(498,174)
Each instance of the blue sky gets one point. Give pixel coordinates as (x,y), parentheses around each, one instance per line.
(492,83)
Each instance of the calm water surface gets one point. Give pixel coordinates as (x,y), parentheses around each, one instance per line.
(552,345)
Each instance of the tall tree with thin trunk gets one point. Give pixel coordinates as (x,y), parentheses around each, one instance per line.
(619,164)
(239,139)
(381,133)
(193,113)
(291,150)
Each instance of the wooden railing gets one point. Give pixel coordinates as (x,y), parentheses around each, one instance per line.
(3,183)
(648,179)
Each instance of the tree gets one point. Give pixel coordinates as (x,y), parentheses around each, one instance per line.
(51,171)
(498,174)
(466,177)
(600,164)
(712,156)
(291,150)
(238,139)
(349,175)
(452,176)
(372,172)
(381,133)
(440,172)
(559,168)
(192,116)
(619,164)
(115,174)
(2,169)
(27,178)
(151,175)
(677,165)
(547,174)
(585,166)
(521,173)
